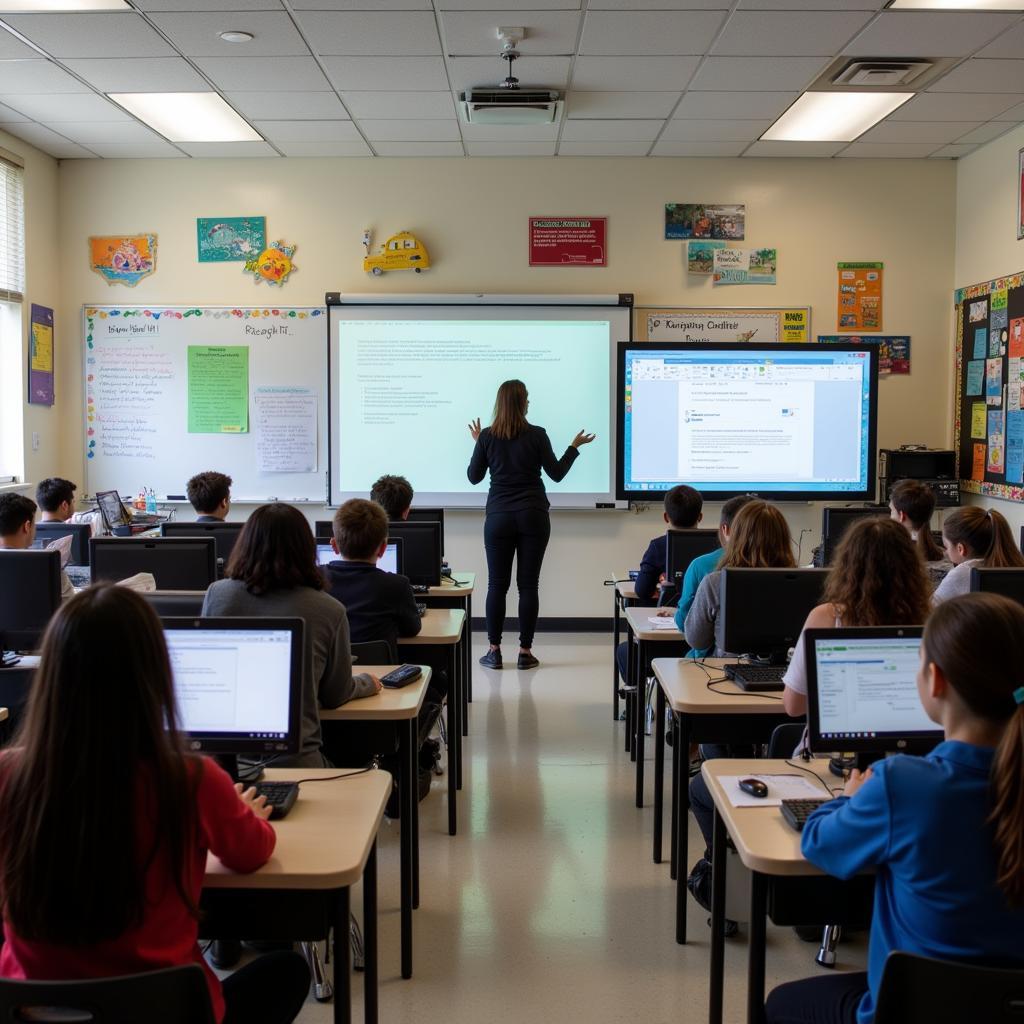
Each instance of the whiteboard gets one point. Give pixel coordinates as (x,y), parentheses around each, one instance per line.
(137,397)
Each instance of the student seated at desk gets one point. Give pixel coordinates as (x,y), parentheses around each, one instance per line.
(273,572)
(945,832)
(210,495)
(975,536)
(18,532)
(911,504)
(394,495)
(56,499)
(105,820)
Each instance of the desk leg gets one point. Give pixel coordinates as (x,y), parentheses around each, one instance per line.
(630,682)
(717,978)
(469,648)
(370,991)
(452,703)
(659,769)
(676,783)
(755,946)
(643,660)
(342,959)
(682,795)
(407,794)
(461,659)
(455,674)
(414,734)
(616,626)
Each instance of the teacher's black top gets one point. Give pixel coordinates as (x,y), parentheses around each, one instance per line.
(515,467)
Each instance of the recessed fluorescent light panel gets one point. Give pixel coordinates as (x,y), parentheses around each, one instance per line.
(75,6)
(957,5)
(834,116)
(187,116)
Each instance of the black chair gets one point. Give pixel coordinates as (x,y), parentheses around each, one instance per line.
(922,990)
(174,995)
(375,652)
(785,738)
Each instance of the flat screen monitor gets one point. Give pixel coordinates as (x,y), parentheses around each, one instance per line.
(29,595)
(862,690)
(78,532)
(836,521)
(238,683)
(1008,582)
(390,561)
(782,421)
(177,563)
(225,535)
(419,514)
(763,610)
(175,604)
(421,551)
(683,547)
(323,530)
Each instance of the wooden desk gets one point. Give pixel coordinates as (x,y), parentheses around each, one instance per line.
(398,708)
(444,627)
(325,844)
(623,596)
(699,715)
(457,592)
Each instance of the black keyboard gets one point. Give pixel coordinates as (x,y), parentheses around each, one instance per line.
(755,678)
(796,812)
(281,796)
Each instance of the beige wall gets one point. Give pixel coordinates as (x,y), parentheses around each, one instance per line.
(472,216)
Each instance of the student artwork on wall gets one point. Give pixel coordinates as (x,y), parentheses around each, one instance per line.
(893,350)
(744,266)
(860,296)
(273,265)
(700,257)
(123,259)
(40,356)
(230,239)
(706,220)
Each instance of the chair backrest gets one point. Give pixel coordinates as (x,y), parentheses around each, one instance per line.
(784,739)
(375,652)
(922,990)
(174,995)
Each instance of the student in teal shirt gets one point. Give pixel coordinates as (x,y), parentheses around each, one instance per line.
(944,833)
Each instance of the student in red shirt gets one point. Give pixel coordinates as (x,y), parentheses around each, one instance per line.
(105,821)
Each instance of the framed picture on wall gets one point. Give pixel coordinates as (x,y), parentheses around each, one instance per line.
(1020,194)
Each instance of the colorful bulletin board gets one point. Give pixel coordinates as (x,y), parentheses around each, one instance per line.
(989,429)
(754,324)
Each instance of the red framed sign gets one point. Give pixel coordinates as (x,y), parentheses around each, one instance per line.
(568,241)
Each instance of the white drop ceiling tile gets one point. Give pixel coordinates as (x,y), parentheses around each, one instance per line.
(91,35)
(36,76)
(255,74)
(670,147)
(977,75)
(303,106)
(789,33)
(624,74)
(952,152)
(889,150)
(1009,44)
(812,5)
(571,148)
(157,149)
(935,132)
(65,107)
(715,131)
(800,150)
(967,106)
(357,73)
(1015,114)
(510,133)
(496,5)
(214,150)
(307,131)
(510,149)
(360,5)
(87,132)
(418,148)
(409,130)
(537,72)
(734,104)
(649,33)
(46,140)
(196,34)
(387,33)
(399,104)
(204,5)
(611,131)
(359,148)
(145,74)
(473,33)
(928,33)
(985,133)
(12,48)
(657,5)
(622,104)
(752,74)
(10,116)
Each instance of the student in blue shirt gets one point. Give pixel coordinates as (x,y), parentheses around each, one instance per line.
(945,832)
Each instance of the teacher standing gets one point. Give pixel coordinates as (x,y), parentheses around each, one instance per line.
(517,523)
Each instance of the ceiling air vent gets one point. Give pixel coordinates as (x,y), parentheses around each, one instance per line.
(886,74)
(510,106)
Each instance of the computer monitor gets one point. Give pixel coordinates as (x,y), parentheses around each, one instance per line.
(1008,582)
(427,515)
(29,595)
(421,551)
(238,683)
(835,521)
(176,604)
(177,563)
(390,561)
(78,532)
(862,691)
(763,610)
(225,535)
(683,547)
(323,530)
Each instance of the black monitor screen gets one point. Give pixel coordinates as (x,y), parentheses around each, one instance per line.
(765,609)
(323,530)
(836,521)
(177,563)
(427,515)
(29,595)
(421,551)
(1008,582)
(225,535)
(686,545)
(79,533)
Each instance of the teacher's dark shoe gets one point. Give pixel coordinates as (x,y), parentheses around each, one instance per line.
(526,661)
(492,659)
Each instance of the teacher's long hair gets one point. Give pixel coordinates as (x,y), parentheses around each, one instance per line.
(510,410)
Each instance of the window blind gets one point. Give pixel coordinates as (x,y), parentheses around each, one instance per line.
(12,232)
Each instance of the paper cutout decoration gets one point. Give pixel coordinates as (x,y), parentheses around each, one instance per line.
(273,264)
(403,251)
(123,259)
(227,239)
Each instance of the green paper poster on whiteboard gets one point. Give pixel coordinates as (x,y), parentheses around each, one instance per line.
(218,389)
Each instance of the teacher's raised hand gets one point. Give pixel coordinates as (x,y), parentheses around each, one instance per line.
(474,428)
(582,438)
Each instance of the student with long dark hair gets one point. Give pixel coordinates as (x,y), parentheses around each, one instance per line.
(944,833)
(517,523)
(105,820)
(975,536)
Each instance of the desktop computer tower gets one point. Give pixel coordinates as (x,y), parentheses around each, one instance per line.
(932,466)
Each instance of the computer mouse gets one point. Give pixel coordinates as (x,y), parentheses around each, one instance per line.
(755,787)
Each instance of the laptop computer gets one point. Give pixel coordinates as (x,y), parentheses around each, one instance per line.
(118,519)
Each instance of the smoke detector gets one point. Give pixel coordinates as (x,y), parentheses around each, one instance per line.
(884,74)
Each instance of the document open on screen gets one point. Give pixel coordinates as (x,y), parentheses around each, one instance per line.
(232,681)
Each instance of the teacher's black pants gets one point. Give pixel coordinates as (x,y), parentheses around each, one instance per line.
(523,536)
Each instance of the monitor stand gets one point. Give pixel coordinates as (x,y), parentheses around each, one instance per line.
(230,763)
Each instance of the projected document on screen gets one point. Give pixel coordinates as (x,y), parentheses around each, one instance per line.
(785,420)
